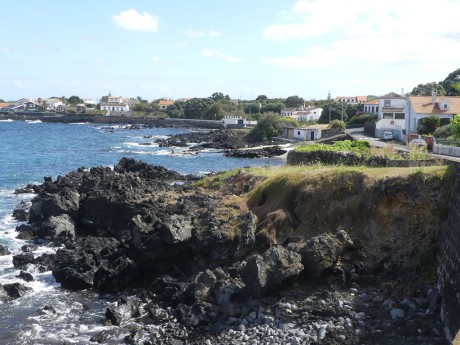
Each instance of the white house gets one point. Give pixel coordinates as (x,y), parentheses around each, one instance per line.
(391,115)
(239,121)
(304,133)
(115,105)
(52,103)
(351,99)
(302,114)
(372,106)
(419,107)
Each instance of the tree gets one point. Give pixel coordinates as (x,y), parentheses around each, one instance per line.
(252,108)
(219,97)
(261,98)
(452,83)
(294,101)
(272,107)
(335,111)
(176,110)
(455,129)
(195,108)
(428,125)
(215,111)
(267,127)
(428,89)
(74,100)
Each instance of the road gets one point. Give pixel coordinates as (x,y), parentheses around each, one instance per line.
(358,134)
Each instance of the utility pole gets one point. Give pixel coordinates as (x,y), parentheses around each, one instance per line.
(329,103)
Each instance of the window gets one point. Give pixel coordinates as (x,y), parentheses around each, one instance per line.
(388,116)
(400,116)
(445,106)
(298,132)
(387,103)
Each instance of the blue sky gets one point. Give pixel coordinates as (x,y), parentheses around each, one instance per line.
(177,49)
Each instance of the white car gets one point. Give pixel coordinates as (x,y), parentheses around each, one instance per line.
(387,136)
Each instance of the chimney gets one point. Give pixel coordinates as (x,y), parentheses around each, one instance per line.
(433,97)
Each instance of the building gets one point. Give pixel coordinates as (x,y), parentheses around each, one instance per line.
(115,106)
(391,116)
(302,114)
(371,107)
(237,122)
(52,103)
(351,99)
(302,133)
(165,104)
(420,107)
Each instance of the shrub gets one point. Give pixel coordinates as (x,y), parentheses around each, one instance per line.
(428,125)
(443,131)
(361,119)
(340,125)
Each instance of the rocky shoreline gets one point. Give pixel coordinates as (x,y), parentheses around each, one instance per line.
(184,265)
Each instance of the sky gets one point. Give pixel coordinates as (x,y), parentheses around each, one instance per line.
(184,49)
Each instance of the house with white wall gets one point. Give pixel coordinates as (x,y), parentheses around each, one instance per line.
(115,105)
(371,107)
(420,107)
(302,114)
(391,115)
(237,121)
(351,99)
(52,103)
(302,133)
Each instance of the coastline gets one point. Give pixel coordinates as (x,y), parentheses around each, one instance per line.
(154,122)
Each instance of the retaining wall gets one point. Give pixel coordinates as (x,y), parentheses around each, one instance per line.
(449,266)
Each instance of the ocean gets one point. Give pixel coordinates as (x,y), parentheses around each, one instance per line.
(32,150)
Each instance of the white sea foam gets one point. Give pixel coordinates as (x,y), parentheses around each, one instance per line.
(33,121)
(7,120)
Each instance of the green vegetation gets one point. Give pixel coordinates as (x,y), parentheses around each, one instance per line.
(267,127)
(364,148)
(428,125)
(340,125)
(360,146)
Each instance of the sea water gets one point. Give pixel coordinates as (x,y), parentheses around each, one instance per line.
(31,150)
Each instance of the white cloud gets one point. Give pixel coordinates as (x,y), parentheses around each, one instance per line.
(159,60)
(198,33)
(18,84)
(5,50)
(385,33)
(133,20)
(220,55)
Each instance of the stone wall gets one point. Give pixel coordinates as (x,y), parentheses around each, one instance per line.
(449,266)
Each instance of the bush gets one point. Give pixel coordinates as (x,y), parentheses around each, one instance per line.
(443,131)
(428,125)
(340,125)
(362,119)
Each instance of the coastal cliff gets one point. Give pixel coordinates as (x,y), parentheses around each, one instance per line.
(224,252)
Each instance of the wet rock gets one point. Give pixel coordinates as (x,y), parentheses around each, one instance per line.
(26,276)
(60,228)
(126,309)
(4,250)
(21,212)
(15,290)
(45,205)
(22,260)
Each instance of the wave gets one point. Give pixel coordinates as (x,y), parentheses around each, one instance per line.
(7,120)
(33,121)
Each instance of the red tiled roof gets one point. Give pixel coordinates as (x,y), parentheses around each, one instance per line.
(424,105)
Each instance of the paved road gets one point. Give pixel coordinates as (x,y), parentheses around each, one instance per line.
(358,134)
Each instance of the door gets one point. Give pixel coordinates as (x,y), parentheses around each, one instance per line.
(312,135)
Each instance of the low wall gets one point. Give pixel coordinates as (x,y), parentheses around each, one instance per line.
(446,150)
(352,158)
(168,122)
